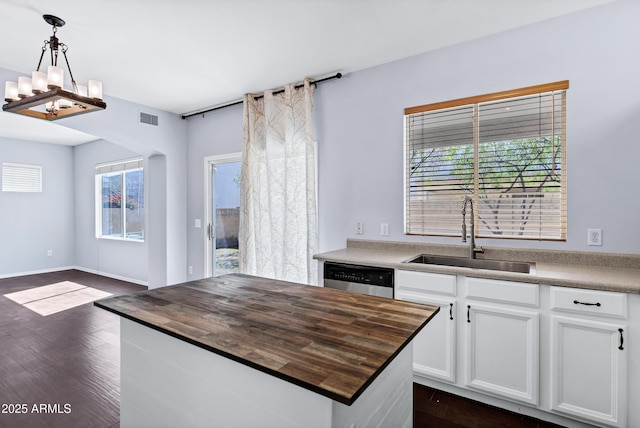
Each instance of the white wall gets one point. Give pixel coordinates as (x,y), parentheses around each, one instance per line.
(362,120)
(359,120)
(33,223)
(588,48)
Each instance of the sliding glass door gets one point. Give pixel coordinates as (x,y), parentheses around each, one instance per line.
(223,214)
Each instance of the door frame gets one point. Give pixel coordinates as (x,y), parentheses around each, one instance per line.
(209,163)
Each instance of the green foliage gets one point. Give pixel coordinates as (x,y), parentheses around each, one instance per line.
(524,164)
(513,169)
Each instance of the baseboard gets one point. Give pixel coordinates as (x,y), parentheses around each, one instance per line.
(80,268)
(36,272)
(112,276)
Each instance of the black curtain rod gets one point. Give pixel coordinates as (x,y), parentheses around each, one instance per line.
(235,103)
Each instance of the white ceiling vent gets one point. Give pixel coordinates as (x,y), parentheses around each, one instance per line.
(149,119)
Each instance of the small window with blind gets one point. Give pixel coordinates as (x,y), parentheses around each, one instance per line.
(120,200)
(17,177)
(506,150)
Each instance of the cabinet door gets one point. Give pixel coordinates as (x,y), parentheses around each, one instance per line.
(434,348)
(588,369)
(502,351)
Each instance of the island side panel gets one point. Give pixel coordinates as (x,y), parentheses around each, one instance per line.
(387,402)
(166,382)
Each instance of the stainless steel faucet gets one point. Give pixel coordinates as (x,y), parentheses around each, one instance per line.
(472,244)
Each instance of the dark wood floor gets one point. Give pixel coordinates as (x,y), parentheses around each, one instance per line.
(438,409)
(73,358)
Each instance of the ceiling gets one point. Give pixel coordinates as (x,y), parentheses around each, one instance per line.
(186,55)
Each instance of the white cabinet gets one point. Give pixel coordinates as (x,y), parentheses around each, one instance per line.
(502,336)
(589,355)
(502,352)
(563,352)
(486,329)
(434,348)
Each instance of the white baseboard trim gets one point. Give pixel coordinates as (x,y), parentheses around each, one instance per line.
(109,275)
(80,268)
(36,272)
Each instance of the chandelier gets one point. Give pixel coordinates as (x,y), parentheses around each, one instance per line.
(43,95)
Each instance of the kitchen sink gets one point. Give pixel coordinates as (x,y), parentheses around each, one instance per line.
(501,265)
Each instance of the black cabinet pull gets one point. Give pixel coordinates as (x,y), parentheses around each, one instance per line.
(450,311)
(621,340)
(468,309)
(575,302)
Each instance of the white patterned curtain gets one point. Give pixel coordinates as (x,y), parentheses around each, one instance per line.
(278,235)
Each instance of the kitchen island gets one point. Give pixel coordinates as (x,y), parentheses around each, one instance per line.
(239,350)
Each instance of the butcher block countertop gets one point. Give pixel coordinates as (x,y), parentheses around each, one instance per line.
(329,341)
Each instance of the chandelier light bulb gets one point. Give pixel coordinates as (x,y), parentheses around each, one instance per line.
(11,91)
(64,103)
(82,90)
(55,77)
(39,82)
(24,87)
(95,89)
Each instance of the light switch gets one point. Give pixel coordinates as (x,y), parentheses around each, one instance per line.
(198,223)
(384,229)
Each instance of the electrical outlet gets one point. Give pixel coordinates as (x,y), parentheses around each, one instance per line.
(49,253)
(190,269)
(384,229)
(594,236)
(359,228)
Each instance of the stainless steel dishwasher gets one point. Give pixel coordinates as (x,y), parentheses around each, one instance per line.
(375,281)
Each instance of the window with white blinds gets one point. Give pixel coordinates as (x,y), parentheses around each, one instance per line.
(17,177)
(506,150)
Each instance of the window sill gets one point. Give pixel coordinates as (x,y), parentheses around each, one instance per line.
(114,238)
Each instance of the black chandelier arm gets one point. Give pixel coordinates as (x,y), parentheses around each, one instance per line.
(44,49)
(73,81)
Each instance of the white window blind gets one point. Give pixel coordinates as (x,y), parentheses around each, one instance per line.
(506,150)
(124,165)
(18,177)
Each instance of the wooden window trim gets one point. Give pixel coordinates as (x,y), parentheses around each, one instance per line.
(512,93)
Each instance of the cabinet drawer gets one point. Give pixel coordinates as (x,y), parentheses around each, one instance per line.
(503,291)
(592,302)
(426,281)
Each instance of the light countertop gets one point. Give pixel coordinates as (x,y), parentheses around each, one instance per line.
(597,271)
